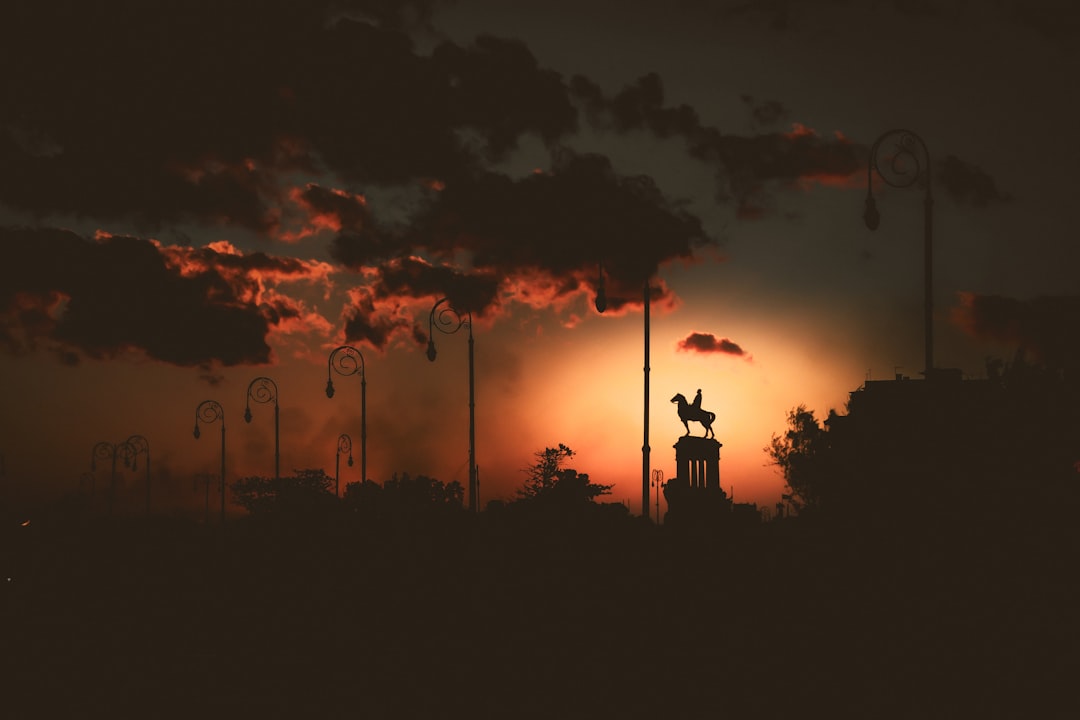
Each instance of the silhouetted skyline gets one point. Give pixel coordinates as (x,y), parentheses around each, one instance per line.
(192,201)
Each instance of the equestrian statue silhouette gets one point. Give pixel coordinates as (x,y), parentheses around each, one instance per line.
(688,412)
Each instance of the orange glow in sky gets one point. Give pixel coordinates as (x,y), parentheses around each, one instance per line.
(241,223)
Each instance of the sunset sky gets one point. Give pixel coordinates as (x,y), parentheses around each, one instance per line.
(195,197)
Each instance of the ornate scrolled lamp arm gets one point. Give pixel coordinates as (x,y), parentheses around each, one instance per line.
(447,319)
(262,390)
(906,164)
(344,360)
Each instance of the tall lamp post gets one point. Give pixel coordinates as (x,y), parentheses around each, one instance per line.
(448,321)
(601,306)
(141,446)
(210,411)
(264,390)
(901,159)
(109,451)
(344,446)
(347,360)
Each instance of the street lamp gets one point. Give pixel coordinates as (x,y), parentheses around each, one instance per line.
(902,162)
(140,446)
(264,390)
(344,445)
(210,411)
(601,305)
(658,483)
(108,451)
(347,360)
(448,321)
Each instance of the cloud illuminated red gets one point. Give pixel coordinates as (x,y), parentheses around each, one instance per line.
(1046,328)
(708,343)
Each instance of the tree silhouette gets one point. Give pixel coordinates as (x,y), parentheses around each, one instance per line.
(304,491)
(422,492)
(802,456)
(549,482)
(404,497)
(543,474)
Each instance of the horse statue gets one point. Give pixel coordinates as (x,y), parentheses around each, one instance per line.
(688,412)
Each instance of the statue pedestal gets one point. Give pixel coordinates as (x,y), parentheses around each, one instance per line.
(697,462)
(694,495)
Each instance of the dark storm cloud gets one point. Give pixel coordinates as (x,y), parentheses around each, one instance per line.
(636,107)
(210,378)
(202,112)
(247,266)
(709,343)
(765,112)
(563,223)
(501,91)
(348,211)
(384,310)
(365,323)
(747,164)
(372,108)
(195,111)
(101,298)
(1046,327)
(413,278)
(365,247)
(378,112)
(744,164)
(156,114)
(547,232)
(968,184)
(361,240)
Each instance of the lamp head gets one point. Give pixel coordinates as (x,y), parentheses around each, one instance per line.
(431,350)
(247,414)
(350,459)
(870,215)
(329,388)
(196,431)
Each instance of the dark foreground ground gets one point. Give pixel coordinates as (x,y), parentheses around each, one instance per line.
(160,618)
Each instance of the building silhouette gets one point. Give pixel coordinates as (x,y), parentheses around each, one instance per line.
(951,447)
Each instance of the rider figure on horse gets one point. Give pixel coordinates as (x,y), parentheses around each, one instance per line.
(693,411)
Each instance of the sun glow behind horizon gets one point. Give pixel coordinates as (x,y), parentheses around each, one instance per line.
(592,399)
(538,383)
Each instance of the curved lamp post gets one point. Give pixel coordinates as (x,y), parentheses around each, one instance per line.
(210,411)
(264,390)
(658,483)
(347,360)
(601,306)
(901,159)
(141,446)
(344,446)
(448,321)
(109,451)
